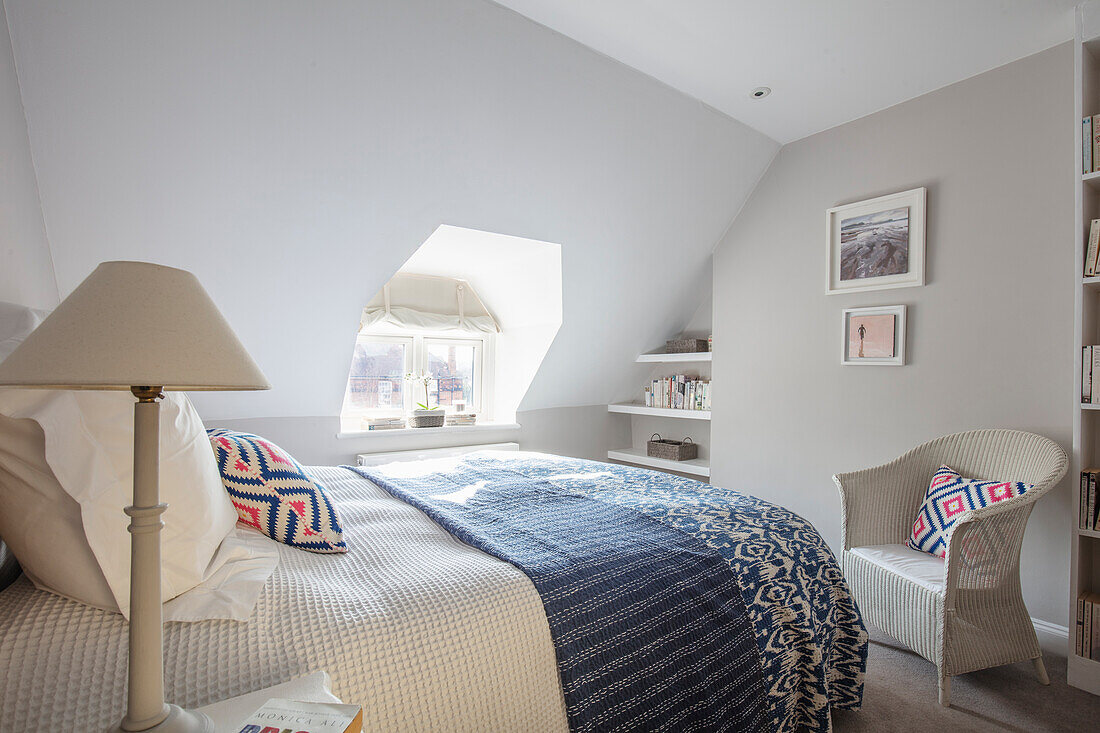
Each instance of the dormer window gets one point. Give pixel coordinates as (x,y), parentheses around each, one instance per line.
(421,326)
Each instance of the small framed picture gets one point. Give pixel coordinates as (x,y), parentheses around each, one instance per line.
(876,244)
(874,336)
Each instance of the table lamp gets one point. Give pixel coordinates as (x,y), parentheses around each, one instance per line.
(144,328)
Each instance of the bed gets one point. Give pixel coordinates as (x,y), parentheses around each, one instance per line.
(429,633)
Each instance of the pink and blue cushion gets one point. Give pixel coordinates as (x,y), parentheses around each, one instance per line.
(273,494)
(948,496)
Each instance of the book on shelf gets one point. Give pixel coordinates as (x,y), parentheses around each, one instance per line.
(1092,251)
(678,392)
(1086,374)
(1087,633)
(277,715)
(1094,397)
(1095,143)
(460,418)
(1086,147)
(1090,375)
(1089,501)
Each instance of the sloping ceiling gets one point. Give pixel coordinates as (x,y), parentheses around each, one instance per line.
(294,155)
(26,273)
(827,62)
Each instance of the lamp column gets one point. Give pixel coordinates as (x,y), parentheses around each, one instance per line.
(145,706)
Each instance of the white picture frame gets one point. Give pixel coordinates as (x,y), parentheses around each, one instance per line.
(868,317)
(853,271)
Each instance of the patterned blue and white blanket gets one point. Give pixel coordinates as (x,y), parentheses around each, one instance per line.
(672,604)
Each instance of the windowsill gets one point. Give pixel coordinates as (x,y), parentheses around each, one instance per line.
(445,430)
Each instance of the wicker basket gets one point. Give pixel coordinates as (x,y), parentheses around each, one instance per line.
(671,450)
(427,419)
(685,346)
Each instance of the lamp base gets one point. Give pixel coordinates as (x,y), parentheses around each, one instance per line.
(178,721)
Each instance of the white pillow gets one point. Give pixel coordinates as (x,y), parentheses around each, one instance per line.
(33,503)
(89,449)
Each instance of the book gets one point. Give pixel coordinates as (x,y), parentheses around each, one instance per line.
(1087,628)
(1086,148)
(1095,398)
(1090,515)
(277,715)
(1083,501)
(1094,637)
(1086,374)
(1078,646)
(1095,144)
(1093,248)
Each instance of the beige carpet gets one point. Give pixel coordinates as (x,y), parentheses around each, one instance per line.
(900,695)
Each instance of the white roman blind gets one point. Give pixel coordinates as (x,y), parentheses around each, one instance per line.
(428,303)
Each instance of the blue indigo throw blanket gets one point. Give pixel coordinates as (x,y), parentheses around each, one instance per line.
(672,604)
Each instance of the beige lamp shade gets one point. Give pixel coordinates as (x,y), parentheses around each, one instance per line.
(134,324)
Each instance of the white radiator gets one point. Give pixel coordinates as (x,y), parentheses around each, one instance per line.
(377,459)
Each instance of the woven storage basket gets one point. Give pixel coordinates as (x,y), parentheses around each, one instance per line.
(672,450)
(433,420)
(685,346)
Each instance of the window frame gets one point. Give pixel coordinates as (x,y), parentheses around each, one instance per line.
(360,413)
(478,381)
(416,360)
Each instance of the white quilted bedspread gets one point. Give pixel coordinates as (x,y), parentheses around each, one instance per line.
(425,632)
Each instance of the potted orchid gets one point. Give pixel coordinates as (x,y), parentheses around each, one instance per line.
(424,416)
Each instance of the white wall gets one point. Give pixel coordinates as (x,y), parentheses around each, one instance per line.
(293,155)
(990,335)
(26,272)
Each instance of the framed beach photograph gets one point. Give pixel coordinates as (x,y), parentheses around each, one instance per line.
(876,244)
(874,336)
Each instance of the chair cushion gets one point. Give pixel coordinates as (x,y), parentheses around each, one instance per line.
(273,494)
(947,497)
(919,567)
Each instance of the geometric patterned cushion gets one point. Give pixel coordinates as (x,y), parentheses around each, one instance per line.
(948,496)
(274,495)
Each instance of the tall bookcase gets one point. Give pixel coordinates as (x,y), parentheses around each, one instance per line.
(1085,543)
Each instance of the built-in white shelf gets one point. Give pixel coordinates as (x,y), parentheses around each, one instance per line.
(1085,544)
(637,456)
(674,358)
(631,408)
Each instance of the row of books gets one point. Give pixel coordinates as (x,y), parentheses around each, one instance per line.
(1087,518)
(1092,250)
(679,392)
(1088,626)
(398,423)
(1090,144)
(383,423)
(1090,372)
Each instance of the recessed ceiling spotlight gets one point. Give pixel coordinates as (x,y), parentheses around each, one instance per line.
(760,92)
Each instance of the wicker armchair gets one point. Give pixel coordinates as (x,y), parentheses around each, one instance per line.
(966,612)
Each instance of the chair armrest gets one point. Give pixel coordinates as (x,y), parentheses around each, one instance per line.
(879,504)
(983,549)
(983,545)
(970,559)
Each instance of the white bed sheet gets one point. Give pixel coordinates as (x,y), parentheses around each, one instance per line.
(425,632)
